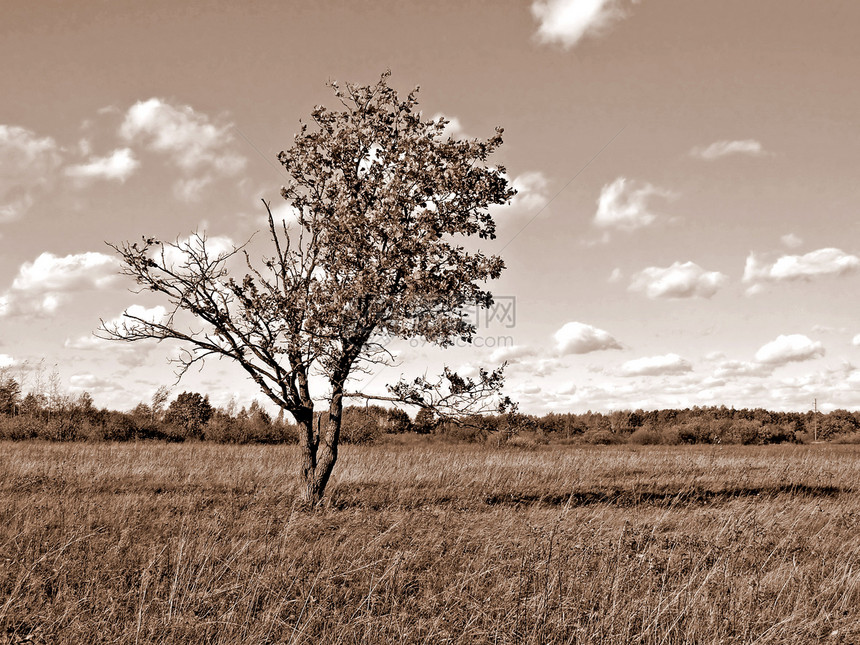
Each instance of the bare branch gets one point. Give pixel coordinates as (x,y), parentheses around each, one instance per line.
(451,397)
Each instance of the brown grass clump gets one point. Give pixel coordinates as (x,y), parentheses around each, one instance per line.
(428,543)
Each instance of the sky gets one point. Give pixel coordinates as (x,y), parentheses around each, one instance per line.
(686,230)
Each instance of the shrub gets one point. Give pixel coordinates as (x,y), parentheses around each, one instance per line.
(221,428)
(248,427)
(425,421)
(360,426)
(20,427)
(475,433)
(398,422)
(119,427)
(601,437)
(741,431)
(847,438)
(693,432)
(60,428)
(645,437)
(772,433)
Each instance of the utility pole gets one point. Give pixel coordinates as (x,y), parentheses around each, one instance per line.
(815,419)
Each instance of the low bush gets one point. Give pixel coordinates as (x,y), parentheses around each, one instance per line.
(601,437)
(18,428)
(645,437)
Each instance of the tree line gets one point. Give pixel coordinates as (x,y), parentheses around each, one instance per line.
(55,416)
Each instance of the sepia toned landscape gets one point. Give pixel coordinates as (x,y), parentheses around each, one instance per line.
(454,322)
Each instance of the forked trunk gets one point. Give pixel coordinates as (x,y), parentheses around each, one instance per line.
(319,449)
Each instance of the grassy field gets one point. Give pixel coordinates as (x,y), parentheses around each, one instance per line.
(430,543)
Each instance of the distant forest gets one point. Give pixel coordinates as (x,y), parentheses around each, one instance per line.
(56,416)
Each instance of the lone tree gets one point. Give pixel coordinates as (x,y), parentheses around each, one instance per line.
(380,196)
(10,395)
(190,411)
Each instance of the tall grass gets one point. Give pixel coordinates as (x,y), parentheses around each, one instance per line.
(429,543)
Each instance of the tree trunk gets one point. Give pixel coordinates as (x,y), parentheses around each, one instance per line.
(328,442)
(308,449)
(326,452)
(319,449)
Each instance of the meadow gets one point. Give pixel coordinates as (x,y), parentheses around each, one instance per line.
(430,542)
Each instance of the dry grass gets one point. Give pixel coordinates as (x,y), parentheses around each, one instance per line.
(423,543)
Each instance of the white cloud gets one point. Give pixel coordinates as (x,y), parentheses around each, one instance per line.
(468,370)
(42,285)
(125,353)
(528,388)
(681,280)
(531,197)
(531,190)
(86,343)
(6,361)
(567,390)
(194,143)
(453,127)
(719,149)
(791,240)
(734,369)
(623,204)
(537,366)
(789,348)
(511,354)
(188,136)
(656,366)
(49,272)
(214,246)
(566,22)
(856,340)
(615,276)
(27,163)
(784,349)
(815,263)
(153,314)
(579,338)
(119,166)
(823,262)
(284,213)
